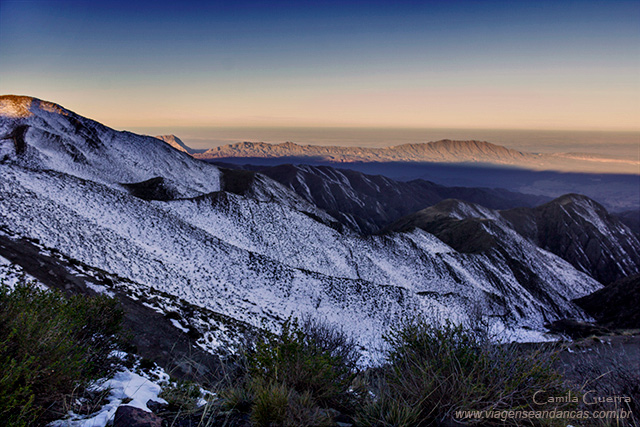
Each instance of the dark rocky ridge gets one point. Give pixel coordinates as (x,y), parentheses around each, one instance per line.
(573,227)
(582,232)
(17,136)
(367,203)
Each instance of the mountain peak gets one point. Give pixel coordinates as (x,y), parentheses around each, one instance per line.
(472,147)
(472,143)
(176,143)
(572,198)
(578,202)
(18,106)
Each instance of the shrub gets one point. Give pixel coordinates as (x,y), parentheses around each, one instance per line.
(278,405)
(312,357)
(303,411)
(270,405)
(435,371)
(50,347)
(181,396)
(292,378)
(237,398)
(385,412)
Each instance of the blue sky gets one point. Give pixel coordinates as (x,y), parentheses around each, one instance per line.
(515,64)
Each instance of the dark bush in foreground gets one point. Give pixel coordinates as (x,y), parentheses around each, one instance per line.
(51,347)
(295,377)
(312,357)
(435,372)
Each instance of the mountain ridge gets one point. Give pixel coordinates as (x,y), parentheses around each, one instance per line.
(249,248)
(572,226)
(438,151)
(367,203)
(446,151)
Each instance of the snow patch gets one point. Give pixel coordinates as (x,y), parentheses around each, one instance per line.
(123,386)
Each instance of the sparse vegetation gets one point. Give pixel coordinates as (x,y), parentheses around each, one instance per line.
(306,376)
(311,357)
(432,372)
(296,377)
(181,396)
(51,347)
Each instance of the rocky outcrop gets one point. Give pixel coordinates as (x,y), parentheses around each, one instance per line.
(129,416)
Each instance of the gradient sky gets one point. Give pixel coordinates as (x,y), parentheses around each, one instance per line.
(464,64)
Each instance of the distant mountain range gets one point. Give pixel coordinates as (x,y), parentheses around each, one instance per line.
(154,225)
(459,164)
(444,151)
(441,151)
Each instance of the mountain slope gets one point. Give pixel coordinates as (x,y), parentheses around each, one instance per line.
(573,227)
(582,232)
(41,135)
(256,253)
(367,203)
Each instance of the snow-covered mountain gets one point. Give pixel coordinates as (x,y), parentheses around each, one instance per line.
(367,203)
(244,246)
(573,227)
(41,135)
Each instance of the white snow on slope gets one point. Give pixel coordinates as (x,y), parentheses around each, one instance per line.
(125,385)
(289,264)
(60,140)
(258,257)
